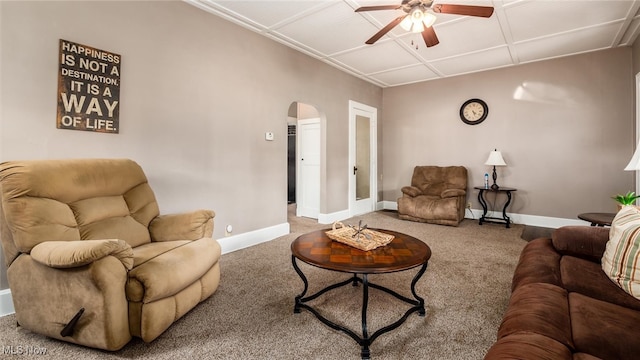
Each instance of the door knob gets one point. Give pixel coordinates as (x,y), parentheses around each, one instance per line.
(354,170)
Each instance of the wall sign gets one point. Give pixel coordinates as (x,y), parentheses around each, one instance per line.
(88,89)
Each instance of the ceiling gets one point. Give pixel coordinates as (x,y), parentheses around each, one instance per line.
(518,32)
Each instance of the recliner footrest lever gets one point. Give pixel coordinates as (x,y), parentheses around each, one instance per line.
(68,329)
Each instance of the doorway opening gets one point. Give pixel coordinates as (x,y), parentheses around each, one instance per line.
(303,160)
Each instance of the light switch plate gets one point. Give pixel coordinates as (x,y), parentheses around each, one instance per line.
(268,136)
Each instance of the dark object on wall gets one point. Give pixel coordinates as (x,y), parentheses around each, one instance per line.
(291,164)
(474,111)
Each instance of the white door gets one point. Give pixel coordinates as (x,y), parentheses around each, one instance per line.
(363,186)
(308,165)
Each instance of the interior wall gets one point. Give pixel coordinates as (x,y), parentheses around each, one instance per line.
(564,127)
(197,95)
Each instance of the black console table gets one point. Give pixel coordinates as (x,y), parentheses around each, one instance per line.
(504,219)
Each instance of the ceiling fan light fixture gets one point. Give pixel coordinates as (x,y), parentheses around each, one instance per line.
(406,23)
(429,19)
(418,27)
(417,15)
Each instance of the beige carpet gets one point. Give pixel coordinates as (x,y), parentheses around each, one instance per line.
(466,290)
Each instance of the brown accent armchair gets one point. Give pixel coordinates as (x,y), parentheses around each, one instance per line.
(90,260)
(437,195)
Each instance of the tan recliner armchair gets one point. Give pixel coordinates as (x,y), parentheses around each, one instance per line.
(89,259)
(437,195)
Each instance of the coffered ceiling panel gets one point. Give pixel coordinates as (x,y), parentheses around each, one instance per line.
(405,75)
(330,25)
(482,60)
(567,43)
(379,59)
(519,31)
(562,16)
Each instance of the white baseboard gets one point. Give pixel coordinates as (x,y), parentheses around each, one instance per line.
(241,241)
(531,220)
(333,217)
(6,303)
(389,205)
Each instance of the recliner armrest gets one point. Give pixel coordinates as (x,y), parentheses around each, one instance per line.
(411,191)
(70,254)
(453,193)
(186,226)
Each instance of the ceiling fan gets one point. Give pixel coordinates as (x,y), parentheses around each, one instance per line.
(418,19)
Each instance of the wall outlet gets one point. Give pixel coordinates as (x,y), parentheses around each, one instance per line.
(468,205)
(228,230)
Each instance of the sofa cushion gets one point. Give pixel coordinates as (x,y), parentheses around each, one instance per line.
(587,278)
(622,254)
(605,330)
(586,242)
(170,270)
(538,308)
(528,346)
(539,263)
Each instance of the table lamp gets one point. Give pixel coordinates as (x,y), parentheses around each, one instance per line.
(495,159)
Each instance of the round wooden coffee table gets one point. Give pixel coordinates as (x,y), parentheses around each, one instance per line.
(402,253)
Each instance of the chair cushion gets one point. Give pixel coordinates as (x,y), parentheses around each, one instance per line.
(622,254)
(165,268)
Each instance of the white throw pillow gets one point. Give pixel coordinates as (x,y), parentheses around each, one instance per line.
(621,259)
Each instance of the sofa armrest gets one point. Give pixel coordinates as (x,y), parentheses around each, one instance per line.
(588,242)
(411,191)
(186,226)
(453,193)
(70,254)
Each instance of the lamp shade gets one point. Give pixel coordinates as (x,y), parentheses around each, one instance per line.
(634,164)
(495,159)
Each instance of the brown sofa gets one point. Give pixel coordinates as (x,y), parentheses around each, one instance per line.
(563,305)
(437,195)
(87,234)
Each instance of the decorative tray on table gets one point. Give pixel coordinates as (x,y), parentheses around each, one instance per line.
(359,237)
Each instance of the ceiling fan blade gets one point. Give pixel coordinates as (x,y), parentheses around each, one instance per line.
(430,37)
(385,30)
(470,10)
(379,7)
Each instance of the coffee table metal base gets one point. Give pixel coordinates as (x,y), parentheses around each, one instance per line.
(365,340)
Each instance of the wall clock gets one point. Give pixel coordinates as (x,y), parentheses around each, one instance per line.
(474,111)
